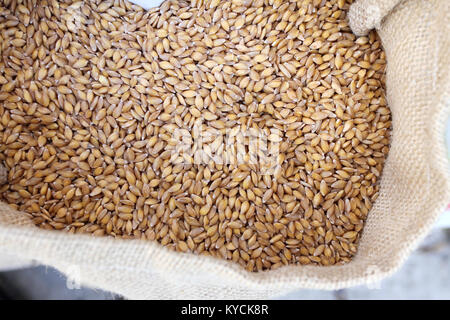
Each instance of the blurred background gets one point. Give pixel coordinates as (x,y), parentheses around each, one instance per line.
(425,275)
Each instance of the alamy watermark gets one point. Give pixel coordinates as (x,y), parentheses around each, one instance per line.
(230,146)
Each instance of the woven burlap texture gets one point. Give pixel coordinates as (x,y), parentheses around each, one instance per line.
(414,189)
(367,15)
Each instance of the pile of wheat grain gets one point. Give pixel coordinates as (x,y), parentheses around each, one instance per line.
(97,97)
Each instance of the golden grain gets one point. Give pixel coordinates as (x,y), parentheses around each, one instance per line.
(96,95)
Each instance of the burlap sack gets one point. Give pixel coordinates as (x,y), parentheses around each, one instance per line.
(414,188)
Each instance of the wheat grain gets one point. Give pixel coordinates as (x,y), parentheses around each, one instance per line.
(97,96)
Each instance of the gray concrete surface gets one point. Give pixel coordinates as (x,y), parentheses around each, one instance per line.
(45,283)
(426,275)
